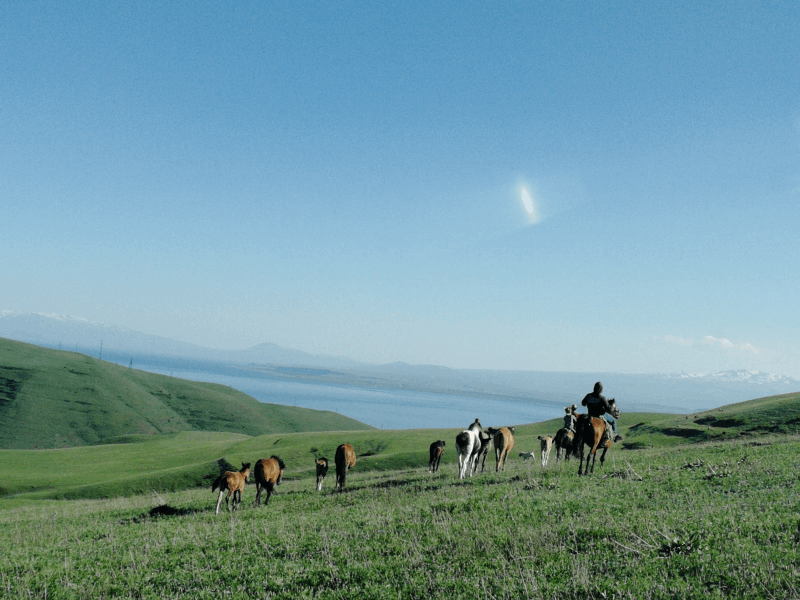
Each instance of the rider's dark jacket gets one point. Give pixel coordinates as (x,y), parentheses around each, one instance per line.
(595,403)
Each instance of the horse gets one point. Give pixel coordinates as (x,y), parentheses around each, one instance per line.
(233,481)
(546,443)
(269,472)
(527,455)
(322,470)
(486,442)
(503,439)
(345,459)
(468,444)
(591,431)
(565,444)
(436,451)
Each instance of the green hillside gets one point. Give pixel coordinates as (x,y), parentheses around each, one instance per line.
(775,414)
(55,399)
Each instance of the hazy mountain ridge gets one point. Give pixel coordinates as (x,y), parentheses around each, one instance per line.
(666,392)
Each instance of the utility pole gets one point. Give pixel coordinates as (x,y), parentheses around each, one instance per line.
(130,365)
(101,349)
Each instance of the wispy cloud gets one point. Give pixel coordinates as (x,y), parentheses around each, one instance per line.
(711,341)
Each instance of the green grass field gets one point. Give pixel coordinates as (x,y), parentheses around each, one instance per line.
(710,520)
(687,506)
(55,399)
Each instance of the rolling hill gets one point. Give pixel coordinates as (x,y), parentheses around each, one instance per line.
(55,399)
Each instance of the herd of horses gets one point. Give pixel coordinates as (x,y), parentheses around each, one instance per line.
(472,446)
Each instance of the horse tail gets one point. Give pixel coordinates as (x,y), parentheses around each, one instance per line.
(218,483)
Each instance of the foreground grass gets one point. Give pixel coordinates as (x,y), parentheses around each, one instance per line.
(713,520)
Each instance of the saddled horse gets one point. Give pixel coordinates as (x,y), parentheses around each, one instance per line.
(345,459)
(565,444)
(269,472)
(436,451)
(591,431)
(322,470)
(233,481)
(468,444)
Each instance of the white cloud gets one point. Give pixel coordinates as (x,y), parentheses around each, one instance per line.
(711,341)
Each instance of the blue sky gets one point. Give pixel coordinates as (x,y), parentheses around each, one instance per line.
(344,178)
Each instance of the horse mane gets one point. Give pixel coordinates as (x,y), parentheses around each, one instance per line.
(281,464)
(244,468)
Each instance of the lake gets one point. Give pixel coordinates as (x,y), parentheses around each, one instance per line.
(380,407)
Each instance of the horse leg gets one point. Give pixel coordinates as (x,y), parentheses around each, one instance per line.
(593,453)
(269,487)
(603,456)
(258,494)
(219,501)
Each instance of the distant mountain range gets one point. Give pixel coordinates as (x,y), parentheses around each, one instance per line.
(673,392)
(81,335)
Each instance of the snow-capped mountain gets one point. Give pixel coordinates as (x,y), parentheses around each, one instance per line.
(740,376)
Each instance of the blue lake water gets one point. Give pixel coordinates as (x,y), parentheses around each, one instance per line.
(379,407)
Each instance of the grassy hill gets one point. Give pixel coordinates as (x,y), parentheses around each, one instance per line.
(55,399)
(775,414)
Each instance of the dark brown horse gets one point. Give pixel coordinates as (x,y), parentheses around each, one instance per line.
(269,472)
(436,451)
(486,444)
(322,470)
(591,431)
(233,481)
(565,444)
(345,459)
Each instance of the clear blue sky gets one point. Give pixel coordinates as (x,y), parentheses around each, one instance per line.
(344,178)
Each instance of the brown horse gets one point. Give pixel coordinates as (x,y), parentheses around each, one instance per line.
(232,481)
(345,459)
(565,444)
(546,444)
(322,470)
(591,431)
(269,472)
(503,440)
(436,451)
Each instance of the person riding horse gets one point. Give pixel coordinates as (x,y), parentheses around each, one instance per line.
(597,406)
(570,418)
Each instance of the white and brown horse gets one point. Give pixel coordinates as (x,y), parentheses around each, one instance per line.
(436,451)
(269,472)
(233,481)
(503,440)
(486,444)
(345,459)
(468,445)
(322,470)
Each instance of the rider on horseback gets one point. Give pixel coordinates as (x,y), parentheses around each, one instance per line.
(570,418)
(597,406)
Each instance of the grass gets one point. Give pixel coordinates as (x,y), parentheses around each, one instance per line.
(55,399)
(712,520)
(188,459)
